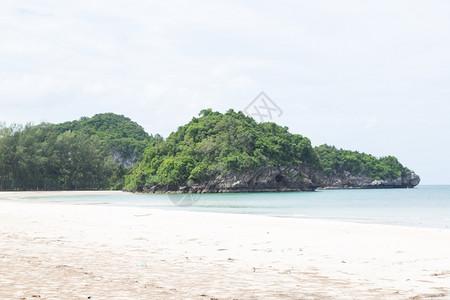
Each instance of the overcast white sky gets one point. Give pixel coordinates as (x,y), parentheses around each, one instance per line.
(372,76)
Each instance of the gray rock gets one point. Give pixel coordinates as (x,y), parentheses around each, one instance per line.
(264,179)
(125,161)
(272,179)
(358,181)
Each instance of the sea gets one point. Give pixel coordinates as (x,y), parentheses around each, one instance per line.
(423,206)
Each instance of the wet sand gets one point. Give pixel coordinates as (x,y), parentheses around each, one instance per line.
(67,251)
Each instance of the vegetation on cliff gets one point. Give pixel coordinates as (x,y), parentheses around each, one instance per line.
(215,144)
(102,153)
(335,161)
(116,133)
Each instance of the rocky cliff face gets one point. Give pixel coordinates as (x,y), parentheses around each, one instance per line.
(347,180)
(125,161)
(265,179)
(271,179)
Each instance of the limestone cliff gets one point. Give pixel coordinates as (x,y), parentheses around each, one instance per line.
(125,161)
(358,181)
(271,179)
(264,179)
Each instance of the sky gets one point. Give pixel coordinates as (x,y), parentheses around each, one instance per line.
(372,76)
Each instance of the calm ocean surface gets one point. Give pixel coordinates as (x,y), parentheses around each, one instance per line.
(424,206)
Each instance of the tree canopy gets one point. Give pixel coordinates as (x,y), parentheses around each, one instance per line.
(115,132)
(69,156)
(335,161)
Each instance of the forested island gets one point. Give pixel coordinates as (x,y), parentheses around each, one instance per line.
(214,152)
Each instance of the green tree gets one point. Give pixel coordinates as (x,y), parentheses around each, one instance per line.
(41,157)
(335,161)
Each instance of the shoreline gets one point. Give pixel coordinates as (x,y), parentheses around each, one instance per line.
(60,250)
(29,196)
(24,194)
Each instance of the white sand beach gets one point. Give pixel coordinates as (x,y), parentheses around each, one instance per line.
(67,251)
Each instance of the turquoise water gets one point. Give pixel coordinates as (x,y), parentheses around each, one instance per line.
(424,206)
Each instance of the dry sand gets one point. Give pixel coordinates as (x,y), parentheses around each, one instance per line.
(67,251)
